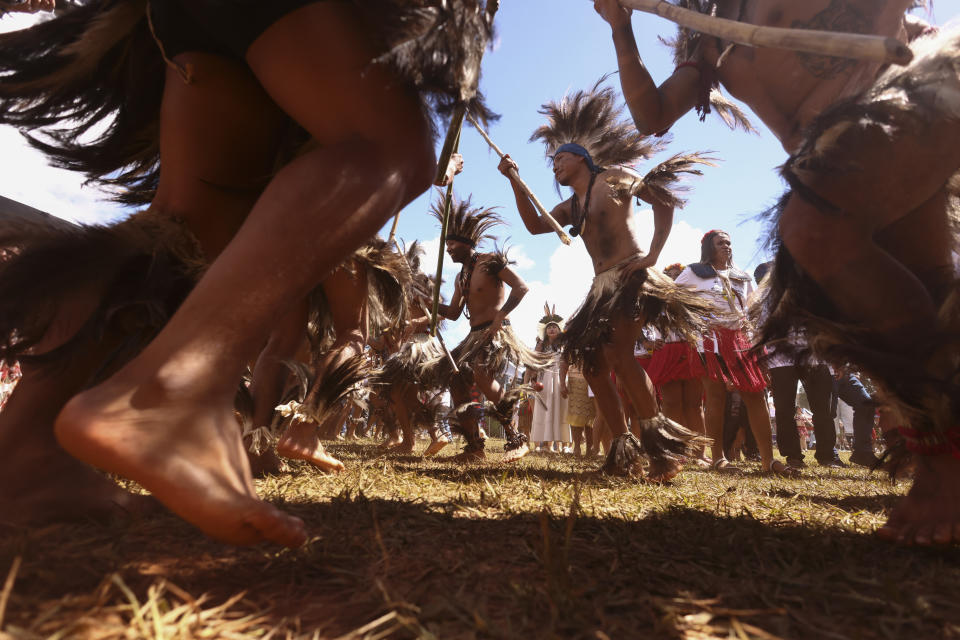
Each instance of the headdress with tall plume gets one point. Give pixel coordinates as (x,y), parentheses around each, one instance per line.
(466,223)
(594,120)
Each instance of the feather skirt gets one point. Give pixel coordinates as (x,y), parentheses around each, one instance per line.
(476,351)
(645,295)
(132,275)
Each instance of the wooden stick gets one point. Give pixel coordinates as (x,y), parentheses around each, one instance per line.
(393,229)
(8,587)
(825,43)
(443,241)
(564,238)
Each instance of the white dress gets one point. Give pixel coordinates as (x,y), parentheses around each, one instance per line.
(550,422)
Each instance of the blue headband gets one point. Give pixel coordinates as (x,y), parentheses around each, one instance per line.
(577,150)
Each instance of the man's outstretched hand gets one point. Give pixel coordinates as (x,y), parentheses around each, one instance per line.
(612,12)
(506,164)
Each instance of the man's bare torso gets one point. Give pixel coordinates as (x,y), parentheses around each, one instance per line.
(486,294)
(606,232)
(788,89)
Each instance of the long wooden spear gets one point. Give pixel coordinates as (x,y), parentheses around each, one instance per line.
(564,238)
(443,245)
(451,143)
(826,43)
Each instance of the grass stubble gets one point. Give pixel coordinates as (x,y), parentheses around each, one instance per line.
(403,547)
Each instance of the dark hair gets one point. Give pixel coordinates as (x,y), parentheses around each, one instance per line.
(762,270)
(706,244)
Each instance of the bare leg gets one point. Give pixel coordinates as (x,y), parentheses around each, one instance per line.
(270,376)
(346,294)
(577,440)
(673,407)
(39,481)
(757,414)
(716,397)
(469,424)
(608,402)
(693,412)
(400,397)
(516,446)
(630,375)
(301,442)
(637,387)
(165,419)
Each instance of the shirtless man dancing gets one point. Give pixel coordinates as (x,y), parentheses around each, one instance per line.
(479,291)
(873,151)
(626,294)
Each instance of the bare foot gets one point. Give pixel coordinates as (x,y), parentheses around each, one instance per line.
(777,468)
(391,441)
(435,447)
(265,463)
(930,512)
(50,486)
(301,442)
(725,466)
(405,447)
(512,455)
(664,471)
(39,481)
(467,456)
(187,452)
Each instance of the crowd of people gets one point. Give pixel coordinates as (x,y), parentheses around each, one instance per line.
(134,338)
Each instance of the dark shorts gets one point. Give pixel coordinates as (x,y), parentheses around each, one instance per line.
(225,27)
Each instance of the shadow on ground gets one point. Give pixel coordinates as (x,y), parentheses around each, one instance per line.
(677,573)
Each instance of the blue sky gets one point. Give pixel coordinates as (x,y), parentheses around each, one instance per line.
(543,49)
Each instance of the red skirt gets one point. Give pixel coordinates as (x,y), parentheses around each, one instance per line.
(737,365)
(675,361)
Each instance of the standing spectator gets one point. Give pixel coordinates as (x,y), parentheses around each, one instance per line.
(729,362)
(849,389)
(550,428)
(785,372)
(803,425)
(581,409)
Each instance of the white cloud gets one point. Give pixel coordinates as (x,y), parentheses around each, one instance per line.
(523,262)
(25,176)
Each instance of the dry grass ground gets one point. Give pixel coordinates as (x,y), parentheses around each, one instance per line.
(407,548)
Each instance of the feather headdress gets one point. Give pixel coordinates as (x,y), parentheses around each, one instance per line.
(467,224)
(594,120)
(550,316)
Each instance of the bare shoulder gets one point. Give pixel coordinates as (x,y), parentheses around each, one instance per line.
(562,212)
